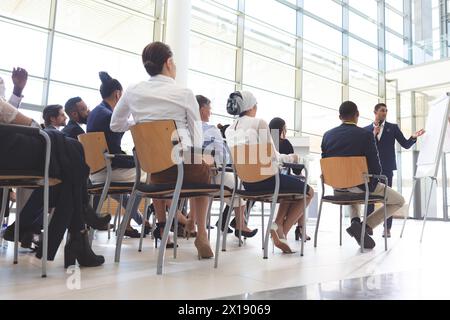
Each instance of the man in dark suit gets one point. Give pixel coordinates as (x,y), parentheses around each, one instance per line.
(349,140)
(385,134)
(78,113)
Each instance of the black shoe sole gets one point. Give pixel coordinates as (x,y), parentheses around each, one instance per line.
(357,235)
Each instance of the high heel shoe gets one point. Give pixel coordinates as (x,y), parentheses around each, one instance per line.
(188,229)
(298,234)
(277,241)
(78,249)
(203,248)
(245,234)
(158,236)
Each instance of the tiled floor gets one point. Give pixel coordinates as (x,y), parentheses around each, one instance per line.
(407,270)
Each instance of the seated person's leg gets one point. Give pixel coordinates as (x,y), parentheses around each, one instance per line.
(394,201)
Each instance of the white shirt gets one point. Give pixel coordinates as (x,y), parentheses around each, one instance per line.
(250,130)
(381,131)
(212,140)
(7,112)
(160,98)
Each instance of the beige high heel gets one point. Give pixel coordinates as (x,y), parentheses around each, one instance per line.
(203,248)
(188,227)
(279,243)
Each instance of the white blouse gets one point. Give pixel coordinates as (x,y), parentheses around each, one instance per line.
(250,130)
(160,98)
(7,112)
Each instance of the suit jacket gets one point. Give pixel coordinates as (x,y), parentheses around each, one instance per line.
(386,145)
(72,130)
(350,140)
(98,121)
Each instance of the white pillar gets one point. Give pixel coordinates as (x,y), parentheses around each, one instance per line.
(177,35)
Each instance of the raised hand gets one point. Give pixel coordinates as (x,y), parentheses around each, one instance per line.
(19,79)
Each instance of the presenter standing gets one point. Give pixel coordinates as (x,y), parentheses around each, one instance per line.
(385,134)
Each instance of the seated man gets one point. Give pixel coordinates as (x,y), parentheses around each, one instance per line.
(54,116)
(78,113)
(350,140)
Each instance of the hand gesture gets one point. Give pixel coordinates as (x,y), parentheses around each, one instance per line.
(376,130)
(418,133)
(19,79)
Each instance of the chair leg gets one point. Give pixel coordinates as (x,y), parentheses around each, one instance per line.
(216,258)
(108,200)
(227,223)
(3,209)
(211,200)
(385,226)
(262,224)
(123,226)
(363,231)
(175,231)
(16,231)
(340,225)
(269,223)
(317,223)
(116,217)
(46,219)
(144,217)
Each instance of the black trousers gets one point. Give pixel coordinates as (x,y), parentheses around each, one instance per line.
(371,207)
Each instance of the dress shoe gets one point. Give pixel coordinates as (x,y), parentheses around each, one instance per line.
(388,233)
(203,248)
(355,231)
(245,234)
(369,230)
(298,234)
(132,233)
(157,234)
(280,243)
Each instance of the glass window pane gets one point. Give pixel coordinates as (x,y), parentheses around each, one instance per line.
(397,4)
(212,57)
(210,20)
(393,63)
(263,73)
(314,147)
(320,61)
(332,13)
(268,42)
(215,89)
(363,78)
(143,6)
(32,92)
(395,44)
(32,11)
(322,35)
(271,105)
(363,28)
(365,103)
(273,13)
(79,62)
(59,93)
(394,21)
(229,3)
(314,88)
(363,53)
(28,53)
(106,24)
(318,120)
(368,7)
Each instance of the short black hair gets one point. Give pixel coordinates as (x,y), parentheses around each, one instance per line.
(378,106)
(71,105)
(51,111)
(109,85)
(348,110)
(202,100)
(277,124)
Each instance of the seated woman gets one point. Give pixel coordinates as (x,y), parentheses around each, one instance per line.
(278,131)
(213,141)
(160,98)
(69,197)
(249,128)
(123,169)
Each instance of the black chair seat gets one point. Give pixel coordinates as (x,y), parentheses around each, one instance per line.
(165,190)
(352,198)
(114,188)
(267,195)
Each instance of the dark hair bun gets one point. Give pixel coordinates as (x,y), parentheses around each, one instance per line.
(152,68)
(104,76)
